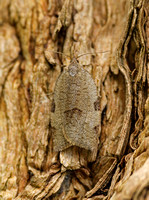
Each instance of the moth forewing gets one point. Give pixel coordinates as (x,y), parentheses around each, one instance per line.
(75,118)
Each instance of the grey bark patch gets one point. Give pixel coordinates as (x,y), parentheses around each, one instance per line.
(75,117)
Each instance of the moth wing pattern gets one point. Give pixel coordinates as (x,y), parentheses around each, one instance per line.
(75,117)
(59,141)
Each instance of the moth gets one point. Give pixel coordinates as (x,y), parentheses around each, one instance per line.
(75,110)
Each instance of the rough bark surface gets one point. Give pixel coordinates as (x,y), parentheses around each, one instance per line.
(116,33)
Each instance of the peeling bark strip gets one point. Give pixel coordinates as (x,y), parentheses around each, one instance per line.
(30,32)
(75,117)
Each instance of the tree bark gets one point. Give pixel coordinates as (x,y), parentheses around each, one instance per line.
(38,40)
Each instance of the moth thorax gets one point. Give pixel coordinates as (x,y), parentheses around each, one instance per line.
(73,69)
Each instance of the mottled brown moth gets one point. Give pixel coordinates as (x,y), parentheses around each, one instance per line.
(75,113)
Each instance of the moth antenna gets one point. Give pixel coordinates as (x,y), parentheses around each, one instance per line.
(57,52)
(92,53)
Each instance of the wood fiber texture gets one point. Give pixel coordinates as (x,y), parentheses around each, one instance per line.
(74,129)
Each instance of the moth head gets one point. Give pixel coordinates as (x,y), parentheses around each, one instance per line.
(73,68)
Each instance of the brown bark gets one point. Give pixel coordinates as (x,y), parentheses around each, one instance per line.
(30,33)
